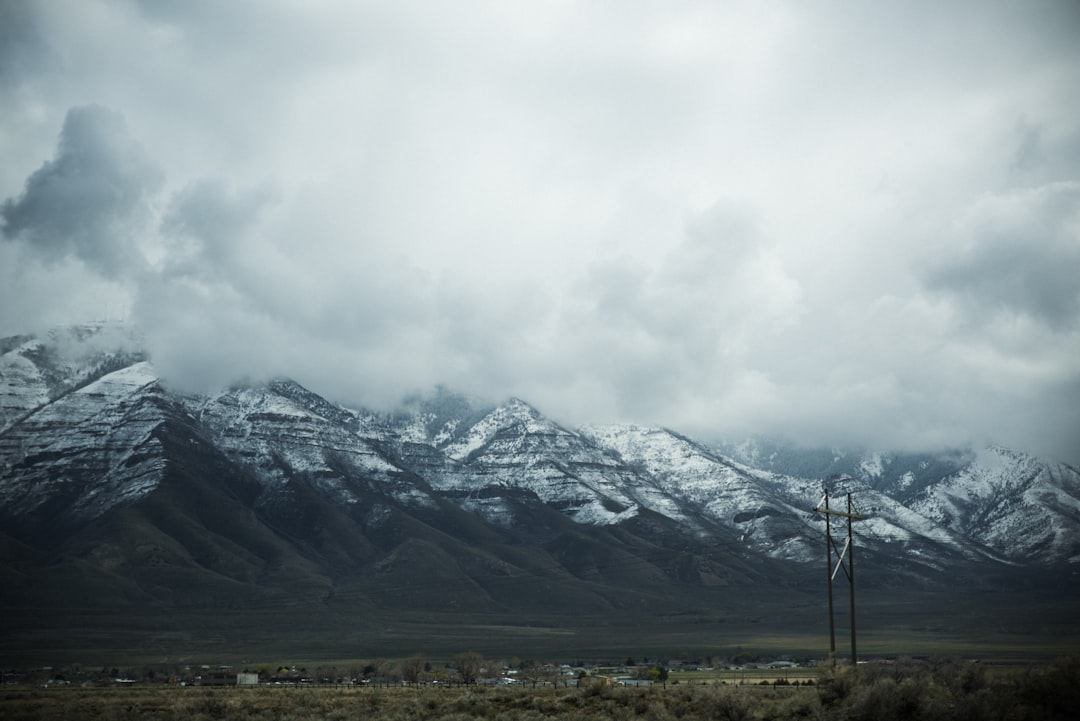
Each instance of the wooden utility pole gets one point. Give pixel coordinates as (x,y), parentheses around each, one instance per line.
(845,559)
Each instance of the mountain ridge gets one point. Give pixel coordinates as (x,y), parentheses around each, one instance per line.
(266,497)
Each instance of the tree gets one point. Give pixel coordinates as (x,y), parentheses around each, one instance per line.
(653,673)
(531,671)
(468,665)
(413,667)
(381,670)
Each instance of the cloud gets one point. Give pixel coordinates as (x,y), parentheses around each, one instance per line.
(668,339)
(844,226)
(205,224)
(91,200)
(1019,252)
(21,44)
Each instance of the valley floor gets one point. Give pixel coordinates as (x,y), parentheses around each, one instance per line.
(1020,626)
(910,691)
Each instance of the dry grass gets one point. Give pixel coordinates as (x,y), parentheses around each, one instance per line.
(942,692)
(395,704)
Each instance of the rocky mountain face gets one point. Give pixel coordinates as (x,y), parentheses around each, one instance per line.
(1021,508)
(117,493)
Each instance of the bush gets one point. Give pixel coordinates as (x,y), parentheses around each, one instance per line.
(912,691)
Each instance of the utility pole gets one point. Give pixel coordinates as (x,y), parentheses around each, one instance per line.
(845,560)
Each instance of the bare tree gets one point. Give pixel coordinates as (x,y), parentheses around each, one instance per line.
(468,665)
(413,667)
(384,671)
(532,671)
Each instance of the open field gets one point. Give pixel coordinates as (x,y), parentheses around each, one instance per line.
(908,692)
(998,626)
(554,643)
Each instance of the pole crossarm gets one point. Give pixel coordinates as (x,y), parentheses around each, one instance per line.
(845,514)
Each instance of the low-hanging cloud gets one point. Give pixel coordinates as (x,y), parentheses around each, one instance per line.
(91,200)
(206,221)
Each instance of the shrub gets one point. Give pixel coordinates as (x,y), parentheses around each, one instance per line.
(835,684)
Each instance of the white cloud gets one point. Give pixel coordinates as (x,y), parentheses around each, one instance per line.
(846,224)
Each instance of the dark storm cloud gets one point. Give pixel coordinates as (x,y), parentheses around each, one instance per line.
(1022,256)
(22,49)
(91,200)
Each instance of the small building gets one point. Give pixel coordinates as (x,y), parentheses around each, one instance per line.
(247,678)
(217,678)
(227,677)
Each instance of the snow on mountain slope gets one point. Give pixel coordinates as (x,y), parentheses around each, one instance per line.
(691,476)
(85,452)
(1025,508)
(514,446)
(23,386)
(899,475)
(282,431)
(34,371)
(772,512)
(81,411)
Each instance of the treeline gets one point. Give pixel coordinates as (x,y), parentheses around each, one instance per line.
(465,668)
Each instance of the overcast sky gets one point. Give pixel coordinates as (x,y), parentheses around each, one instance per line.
(840,222)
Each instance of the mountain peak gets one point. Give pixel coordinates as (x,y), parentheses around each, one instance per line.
(274,493)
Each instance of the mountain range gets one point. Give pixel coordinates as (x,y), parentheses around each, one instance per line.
(264,518)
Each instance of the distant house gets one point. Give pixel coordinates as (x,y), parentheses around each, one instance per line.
(225,677)
(217,678)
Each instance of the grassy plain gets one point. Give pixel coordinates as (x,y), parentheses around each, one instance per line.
(998,626)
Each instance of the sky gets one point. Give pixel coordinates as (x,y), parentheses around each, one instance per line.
(838,223)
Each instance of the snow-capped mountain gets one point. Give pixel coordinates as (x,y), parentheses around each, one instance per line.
(1027,508)
(116,490)
(773,513)
(1022,508)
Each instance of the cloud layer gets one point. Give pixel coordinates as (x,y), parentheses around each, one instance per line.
(89,201)
(845,226)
